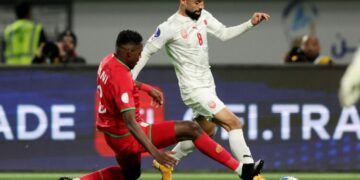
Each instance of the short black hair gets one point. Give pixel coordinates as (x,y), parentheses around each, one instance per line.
(22,9)
(128,37)
(67,33)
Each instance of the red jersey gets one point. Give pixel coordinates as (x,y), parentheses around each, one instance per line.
(117,93)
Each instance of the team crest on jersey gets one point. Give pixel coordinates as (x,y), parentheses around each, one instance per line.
(218,149)
(157,32)
(125,98)
(205,22)
(184,34)
(212,104)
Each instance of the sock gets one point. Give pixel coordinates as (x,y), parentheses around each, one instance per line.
(112,172)
(182,149)
(214,150)
(238,146)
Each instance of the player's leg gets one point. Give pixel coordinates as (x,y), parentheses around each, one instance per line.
(205,102)
(184,148)
(196,100)
(206,125)
(111,173)
(128,155)
(208,104)
(186,130)
(229,121)
(167,133)
(131,166)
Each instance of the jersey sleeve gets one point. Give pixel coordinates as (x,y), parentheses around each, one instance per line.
(224,33)
(214,26)
(162,35)
(123,88)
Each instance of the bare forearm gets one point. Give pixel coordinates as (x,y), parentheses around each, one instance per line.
(140,136)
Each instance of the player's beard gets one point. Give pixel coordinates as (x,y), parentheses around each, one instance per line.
(193,14)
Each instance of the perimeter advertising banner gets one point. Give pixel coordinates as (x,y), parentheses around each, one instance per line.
(292,118)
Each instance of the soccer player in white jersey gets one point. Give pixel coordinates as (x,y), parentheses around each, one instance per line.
(349,92)
(184,35)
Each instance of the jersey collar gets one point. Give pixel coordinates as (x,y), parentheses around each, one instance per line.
(121,62)
(183,18)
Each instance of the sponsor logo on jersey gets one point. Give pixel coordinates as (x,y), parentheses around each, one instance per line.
(125,98)
(212,104)
(157,32)
(184,34)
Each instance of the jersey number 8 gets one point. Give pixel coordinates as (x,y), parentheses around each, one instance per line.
(200,39)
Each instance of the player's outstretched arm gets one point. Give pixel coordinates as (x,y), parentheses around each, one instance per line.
(145,56)
(161,36)
(225,33)
(134,128)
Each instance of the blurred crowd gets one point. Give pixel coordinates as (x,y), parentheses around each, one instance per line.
(25,42)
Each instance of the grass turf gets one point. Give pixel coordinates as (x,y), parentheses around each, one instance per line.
(187,176)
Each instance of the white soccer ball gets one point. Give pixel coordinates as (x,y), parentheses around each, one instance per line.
(288,178)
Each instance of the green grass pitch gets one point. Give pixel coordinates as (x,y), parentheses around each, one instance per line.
(187,176)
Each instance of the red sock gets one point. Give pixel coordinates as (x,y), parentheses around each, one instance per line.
(109,173)
(214,150)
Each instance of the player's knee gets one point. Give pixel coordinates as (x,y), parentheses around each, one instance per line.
(194,129)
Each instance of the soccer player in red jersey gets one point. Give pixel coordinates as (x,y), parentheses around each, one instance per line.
(128,135)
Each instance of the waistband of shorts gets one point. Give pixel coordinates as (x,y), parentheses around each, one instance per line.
(125,134)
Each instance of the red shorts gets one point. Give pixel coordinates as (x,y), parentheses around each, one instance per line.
(161,135)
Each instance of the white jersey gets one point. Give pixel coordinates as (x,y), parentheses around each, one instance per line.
(187,45)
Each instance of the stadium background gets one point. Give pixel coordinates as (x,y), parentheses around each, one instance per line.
(248,72)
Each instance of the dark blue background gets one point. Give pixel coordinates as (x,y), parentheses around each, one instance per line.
(262,86)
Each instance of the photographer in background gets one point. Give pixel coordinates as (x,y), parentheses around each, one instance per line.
(67,42)
(61,52)
(307,50)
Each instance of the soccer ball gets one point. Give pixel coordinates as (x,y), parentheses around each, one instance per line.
(288,178)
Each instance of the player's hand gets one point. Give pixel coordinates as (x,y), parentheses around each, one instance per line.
(165,159)
(258,17)
(157,98)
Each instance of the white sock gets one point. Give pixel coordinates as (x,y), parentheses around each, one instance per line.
(238,146)
(182,149)
(238,170)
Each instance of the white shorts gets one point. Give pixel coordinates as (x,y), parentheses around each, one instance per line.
(203,102)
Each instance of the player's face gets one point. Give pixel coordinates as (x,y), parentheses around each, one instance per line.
(193,8)
(134,55)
